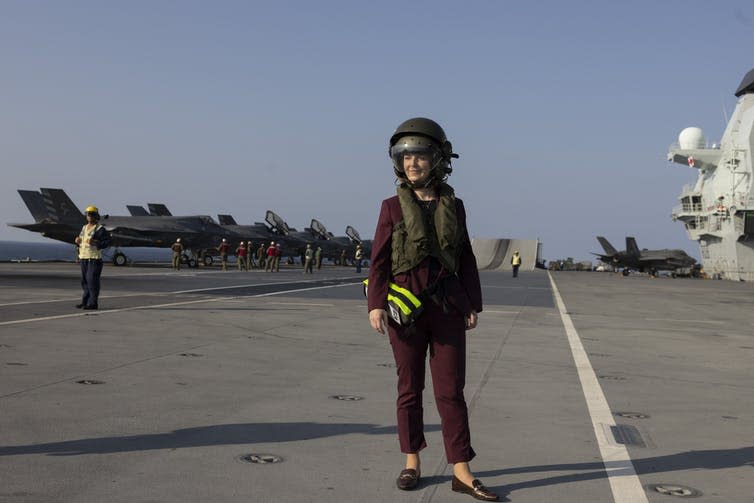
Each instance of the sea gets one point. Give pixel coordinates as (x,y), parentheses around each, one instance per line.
(20,251)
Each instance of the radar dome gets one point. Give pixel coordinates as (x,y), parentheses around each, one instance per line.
(692,138)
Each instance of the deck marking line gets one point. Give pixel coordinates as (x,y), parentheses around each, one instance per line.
(157,294)
(685,321)
(619,469)
(171,304)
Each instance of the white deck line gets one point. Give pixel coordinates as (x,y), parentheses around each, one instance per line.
(171,304)
(620,471)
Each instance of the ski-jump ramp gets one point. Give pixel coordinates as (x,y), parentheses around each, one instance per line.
(495,254)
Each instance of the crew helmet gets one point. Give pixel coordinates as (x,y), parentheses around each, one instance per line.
(422,135)
(93,210)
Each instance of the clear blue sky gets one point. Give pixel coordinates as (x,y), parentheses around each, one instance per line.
(562,111)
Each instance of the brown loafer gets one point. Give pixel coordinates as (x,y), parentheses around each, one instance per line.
(408,479)
(477,491)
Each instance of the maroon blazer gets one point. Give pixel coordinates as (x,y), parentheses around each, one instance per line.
(464,293)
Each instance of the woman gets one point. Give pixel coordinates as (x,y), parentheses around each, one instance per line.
(421,245)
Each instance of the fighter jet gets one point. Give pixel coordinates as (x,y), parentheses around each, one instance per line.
(347,242)
(650,261)
(57,217)
(330,249)
(260,233)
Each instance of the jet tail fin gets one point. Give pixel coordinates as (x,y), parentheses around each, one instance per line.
(607,246)
(159,210)
(137,211)
(35,201)
(62,209)
(631,247)
(226,220)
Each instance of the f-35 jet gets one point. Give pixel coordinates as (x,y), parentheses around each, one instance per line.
(57,217)
(651,261)
(347,242)
(260,233)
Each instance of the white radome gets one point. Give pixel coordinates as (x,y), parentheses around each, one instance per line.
(692,138)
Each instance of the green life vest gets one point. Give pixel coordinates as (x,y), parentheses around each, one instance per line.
(418,235)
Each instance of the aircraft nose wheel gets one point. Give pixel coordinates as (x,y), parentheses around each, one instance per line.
(120,259)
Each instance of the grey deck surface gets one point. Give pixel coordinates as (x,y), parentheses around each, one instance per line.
(199,368)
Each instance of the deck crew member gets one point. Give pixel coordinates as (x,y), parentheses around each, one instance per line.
(308,259)
(249,256)
(177,248)
(318,257)
(91,240)
(278,254)
(515,263)
(241,256)
(357,257)
(224,248)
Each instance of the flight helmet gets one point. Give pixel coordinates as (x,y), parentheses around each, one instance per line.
(422,135)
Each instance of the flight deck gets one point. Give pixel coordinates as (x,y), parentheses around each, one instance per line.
(202,385)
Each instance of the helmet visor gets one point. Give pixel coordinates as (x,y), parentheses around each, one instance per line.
(414,145)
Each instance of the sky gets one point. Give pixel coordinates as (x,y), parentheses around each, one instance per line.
(562,112)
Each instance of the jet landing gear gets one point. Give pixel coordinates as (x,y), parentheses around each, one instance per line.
(194,259)
(119,258)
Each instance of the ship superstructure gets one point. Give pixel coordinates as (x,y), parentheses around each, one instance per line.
(718,210)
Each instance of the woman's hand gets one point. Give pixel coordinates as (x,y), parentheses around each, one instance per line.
(471,320)
(378,320)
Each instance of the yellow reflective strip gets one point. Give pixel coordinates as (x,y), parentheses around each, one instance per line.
(406,293)
(403,299)
(403,307)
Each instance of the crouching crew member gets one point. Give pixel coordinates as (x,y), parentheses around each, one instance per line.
(422,245)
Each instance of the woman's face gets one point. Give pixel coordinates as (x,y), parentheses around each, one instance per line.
(417,166)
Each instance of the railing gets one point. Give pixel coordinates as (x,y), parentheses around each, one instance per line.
(707,145)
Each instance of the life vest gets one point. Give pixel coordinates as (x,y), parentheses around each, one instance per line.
(415,237)
(403,306)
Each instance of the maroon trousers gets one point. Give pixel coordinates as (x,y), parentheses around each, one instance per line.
(445,337)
